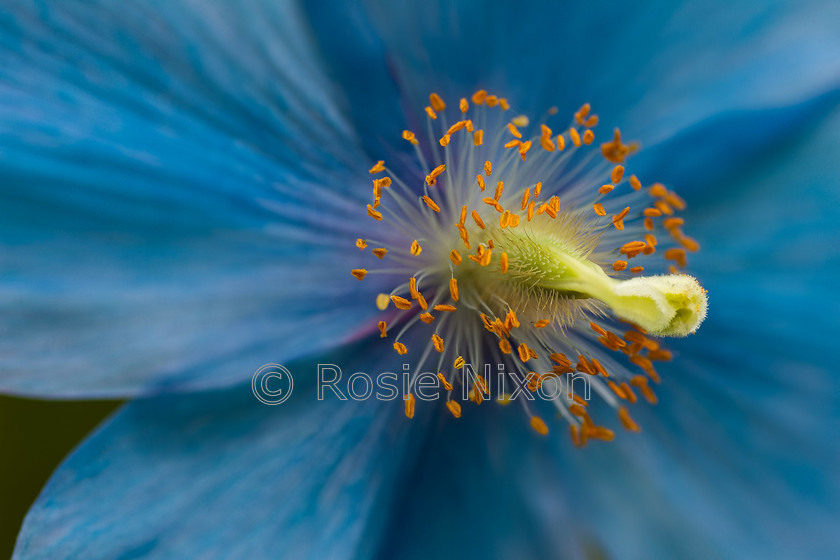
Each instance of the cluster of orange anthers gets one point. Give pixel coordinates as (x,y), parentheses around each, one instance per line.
(505,210)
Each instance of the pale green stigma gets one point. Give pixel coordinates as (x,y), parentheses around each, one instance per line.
(544,268)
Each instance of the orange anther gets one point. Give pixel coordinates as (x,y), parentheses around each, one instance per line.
(359,273)
(463,105)
(583,112)
(431,203)
(539,426)
(689,244)
(499,188)
(664,207)
(525,196)
(675,200)
(660,355)
(373,213)
(454,408)
(658,189)
(378,167)
(400,348)
(678,255)
(382,182)
(478,221)
(504,346)
(626,421)
(618,266)
(672,223)
(401,303)
(546,144)
(408,135)
(436,102)
(617,174)
(615,151)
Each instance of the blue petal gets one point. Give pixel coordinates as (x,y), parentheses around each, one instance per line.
(178,197)
(222,474)
(487,487)
(656,69)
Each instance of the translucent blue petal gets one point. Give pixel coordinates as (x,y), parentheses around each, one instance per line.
(221,474)
(177,205)
(656,69)
(487,487)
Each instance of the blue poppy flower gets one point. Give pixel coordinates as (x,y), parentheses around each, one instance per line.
(183,184)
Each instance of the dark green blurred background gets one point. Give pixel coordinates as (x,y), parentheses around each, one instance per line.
(34,437)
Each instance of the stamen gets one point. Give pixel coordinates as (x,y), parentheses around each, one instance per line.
(557,266)
(538,424)
(431,203)
(454,408)
(436,102)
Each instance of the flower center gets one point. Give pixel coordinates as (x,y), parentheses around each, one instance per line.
(507,253)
